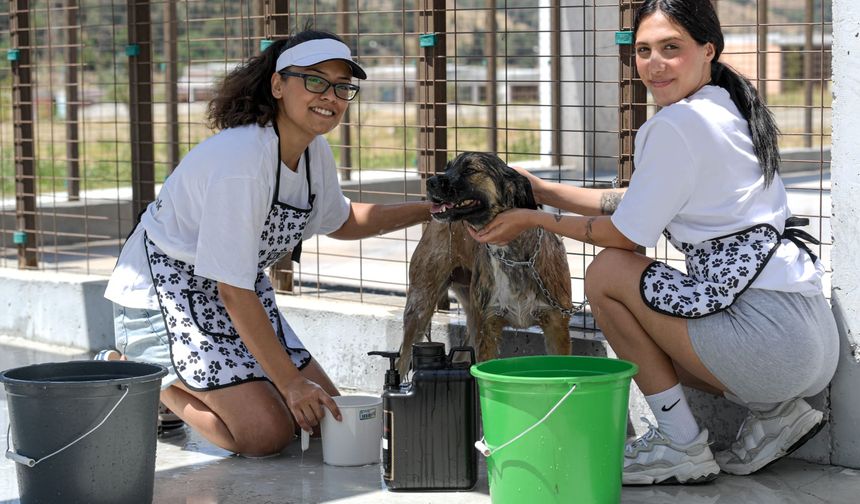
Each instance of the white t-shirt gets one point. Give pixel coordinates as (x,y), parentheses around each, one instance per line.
(698,177)
(210,212)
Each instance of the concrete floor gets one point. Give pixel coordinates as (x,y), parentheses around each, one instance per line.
(190,470)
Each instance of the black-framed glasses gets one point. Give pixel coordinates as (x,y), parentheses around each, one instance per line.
(318,85)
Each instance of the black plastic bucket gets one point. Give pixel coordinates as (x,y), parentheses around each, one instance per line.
(84,431)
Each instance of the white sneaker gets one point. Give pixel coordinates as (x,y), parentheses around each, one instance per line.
(654,458)
(108,354)
(765,437)
(169,423)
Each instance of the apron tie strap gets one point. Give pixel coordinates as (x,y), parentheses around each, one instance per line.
(799,236)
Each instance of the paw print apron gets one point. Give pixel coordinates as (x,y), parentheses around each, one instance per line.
(205,347)
(718,270)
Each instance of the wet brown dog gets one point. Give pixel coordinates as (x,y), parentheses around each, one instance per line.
(496,285)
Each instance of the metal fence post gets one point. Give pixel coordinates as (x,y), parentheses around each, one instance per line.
(345,133)
(761,53)
(555,85)
(23,120)
(492,83)
(281,273)
(73,49)
(432,89)
(171,96)
(281,17)
(432,96)
(808,82)
(139,52)
(632,110)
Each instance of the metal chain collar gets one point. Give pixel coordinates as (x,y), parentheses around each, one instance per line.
(530,263)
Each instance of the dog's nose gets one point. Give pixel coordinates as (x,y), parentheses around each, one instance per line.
(437,183)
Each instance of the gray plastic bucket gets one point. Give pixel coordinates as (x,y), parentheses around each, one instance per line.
(84,431)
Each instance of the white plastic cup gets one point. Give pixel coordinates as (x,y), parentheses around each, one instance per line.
(355,440)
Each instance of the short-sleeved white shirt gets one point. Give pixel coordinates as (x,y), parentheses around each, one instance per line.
(210,212)
(697,176)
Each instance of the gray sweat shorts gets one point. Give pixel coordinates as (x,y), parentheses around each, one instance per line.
(769,346)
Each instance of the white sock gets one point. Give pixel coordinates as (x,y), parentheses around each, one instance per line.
(673,414)
(763,407)
(757,407)
(735,399)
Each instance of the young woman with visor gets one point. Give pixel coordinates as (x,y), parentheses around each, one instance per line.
(190,286)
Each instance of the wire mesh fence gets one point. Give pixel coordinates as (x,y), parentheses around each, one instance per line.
(100,99)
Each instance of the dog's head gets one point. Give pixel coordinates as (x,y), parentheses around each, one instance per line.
(475,188)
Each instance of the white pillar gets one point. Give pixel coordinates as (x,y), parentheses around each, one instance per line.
(545,90)
(587,56)
(845,179)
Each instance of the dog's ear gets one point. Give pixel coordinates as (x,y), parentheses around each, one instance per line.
(522,190)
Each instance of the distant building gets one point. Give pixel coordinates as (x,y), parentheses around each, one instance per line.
(784,58)
(466,84)
(197,82)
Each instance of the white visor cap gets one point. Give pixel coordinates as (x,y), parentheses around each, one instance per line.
(316,51)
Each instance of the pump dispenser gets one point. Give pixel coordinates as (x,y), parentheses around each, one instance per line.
(392,376)
(430,423)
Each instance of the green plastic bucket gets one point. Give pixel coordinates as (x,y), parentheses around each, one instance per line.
(554,428)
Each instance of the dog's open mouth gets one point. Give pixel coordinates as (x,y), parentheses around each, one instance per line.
(450,210)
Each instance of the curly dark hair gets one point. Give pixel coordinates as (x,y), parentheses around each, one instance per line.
(244,95)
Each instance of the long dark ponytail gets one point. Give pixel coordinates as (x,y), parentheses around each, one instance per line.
(244,96)
(700,20)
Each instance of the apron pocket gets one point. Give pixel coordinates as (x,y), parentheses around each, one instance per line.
(209,315)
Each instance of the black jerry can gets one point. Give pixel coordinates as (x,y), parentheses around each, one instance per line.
(430,424)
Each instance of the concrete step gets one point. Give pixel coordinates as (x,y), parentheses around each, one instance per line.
(69,310)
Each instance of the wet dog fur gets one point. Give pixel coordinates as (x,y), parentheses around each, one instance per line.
(473,190)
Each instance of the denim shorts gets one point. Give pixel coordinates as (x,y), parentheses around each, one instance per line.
(141,336)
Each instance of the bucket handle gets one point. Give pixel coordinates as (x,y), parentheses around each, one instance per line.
(485,450)
(11,454)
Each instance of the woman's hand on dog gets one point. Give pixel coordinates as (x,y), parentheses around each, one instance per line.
(536,182)
(504,227)
(306,399)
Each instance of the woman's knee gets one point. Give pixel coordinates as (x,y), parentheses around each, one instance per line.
(267,436)
(260,424)
(598,274)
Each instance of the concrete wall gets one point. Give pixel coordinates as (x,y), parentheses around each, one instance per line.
(59,308)
(845,180)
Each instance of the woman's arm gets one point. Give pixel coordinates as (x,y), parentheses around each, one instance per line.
(303,397)
(596,230)
(579,200)
(369,219)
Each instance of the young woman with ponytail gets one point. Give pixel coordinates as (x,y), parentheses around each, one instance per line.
(748,319)
(190,287)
